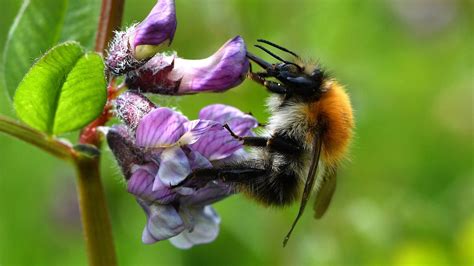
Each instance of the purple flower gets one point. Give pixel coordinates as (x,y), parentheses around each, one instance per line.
(166,134)
(163,150)
(131,48)
(217,145)
(169,74)
(157,28)
(134,53)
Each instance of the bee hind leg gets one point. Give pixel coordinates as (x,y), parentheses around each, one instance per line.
(263,184)
(201,177)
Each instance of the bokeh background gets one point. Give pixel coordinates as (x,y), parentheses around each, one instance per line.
(405,197)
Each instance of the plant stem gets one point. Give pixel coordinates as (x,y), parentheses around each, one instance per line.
(110,20)
(94,214)
(47,143)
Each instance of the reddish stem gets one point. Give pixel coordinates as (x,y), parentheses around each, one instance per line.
(110,20)
(89,134)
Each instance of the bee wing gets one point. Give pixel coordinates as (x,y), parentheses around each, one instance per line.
(308,186)
(325,192)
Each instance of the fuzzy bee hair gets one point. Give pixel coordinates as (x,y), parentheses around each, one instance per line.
(307,136)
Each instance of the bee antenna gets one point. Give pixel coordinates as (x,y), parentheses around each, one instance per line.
(276,56)
(278,47)
(270,53)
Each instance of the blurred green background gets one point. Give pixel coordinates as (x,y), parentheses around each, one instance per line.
(405,197)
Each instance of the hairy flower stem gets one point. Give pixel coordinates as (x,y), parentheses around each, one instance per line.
(94,213)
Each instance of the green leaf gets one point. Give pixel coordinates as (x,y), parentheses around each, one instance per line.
(63,91)
(41,24)
(80,22)
(83,95)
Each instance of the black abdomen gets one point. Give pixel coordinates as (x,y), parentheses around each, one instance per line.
(278,188)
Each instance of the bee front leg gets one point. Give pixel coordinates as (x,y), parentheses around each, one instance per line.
(275,87)
(257,77)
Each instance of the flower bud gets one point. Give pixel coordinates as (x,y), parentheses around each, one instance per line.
(131,48)
(158,28)
(169,74)
(131,107)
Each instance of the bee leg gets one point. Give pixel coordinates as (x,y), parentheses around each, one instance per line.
(275,143)
(248,141)
(259,124)
(283,145)
(255,177)
(201,177)
(256,77)
(275,87)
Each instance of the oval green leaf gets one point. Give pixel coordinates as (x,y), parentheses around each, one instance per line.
(63,91)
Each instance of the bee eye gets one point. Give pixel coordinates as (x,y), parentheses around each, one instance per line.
(317,74)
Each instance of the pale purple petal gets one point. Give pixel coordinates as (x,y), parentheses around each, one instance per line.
(159,26)
(223,70)
(196,129)
(197,161)
(163,222)
(122,145)
(212,192)
(221,113)
(205,229)
(237,156)
(161,127)
(174,166)
(240,122)
(217,145)
(141,184)
(147,237)
(131,107)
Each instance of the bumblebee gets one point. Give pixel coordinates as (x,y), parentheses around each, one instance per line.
(307,136)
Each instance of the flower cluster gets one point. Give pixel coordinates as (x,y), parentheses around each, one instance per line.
(134,53)
(158,147)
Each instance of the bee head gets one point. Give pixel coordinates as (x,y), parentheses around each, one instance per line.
(295,79)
